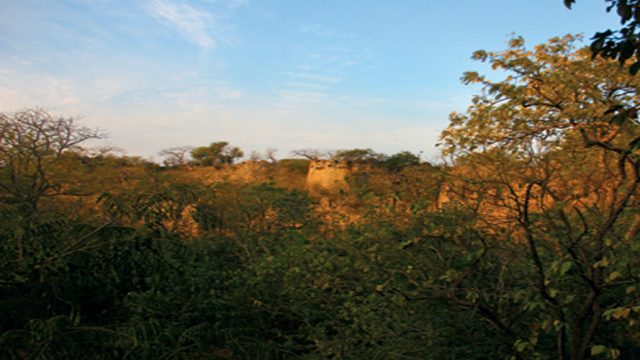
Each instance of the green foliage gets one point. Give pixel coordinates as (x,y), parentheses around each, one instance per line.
(524,247)
(621,44)
(255,217)
(215,154)
(299,166)
(538,104)
(557,121)
(401,160)
(359,155)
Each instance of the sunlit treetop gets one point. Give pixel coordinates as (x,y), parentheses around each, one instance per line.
(547,93)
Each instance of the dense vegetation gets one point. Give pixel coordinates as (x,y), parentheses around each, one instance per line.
(525,246)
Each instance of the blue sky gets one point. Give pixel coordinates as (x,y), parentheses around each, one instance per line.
(285,74)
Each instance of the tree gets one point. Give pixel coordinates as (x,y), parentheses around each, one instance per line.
(309,154)
(552,91)
(401,160)
(230,154)
(270,154)
(176,156)
(620,44)
(32,143)
(215,154)
(359,155)
(558,122)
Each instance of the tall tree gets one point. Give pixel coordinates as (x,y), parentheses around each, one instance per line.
(557,123)
(32,143)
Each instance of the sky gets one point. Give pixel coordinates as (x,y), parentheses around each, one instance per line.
(282,74)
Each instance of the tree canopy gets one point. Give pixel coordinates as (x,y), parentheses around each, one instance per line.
(32,142)
(215,154)
(358,155)
(621,44)
(550,92)
(557,122)
(403,159)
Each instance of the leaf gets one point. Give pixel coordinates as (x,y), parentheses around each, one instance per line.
(614,275)
(598,349)
(565,267)
(614,353)
(472,296)
(624,11)
(601,264)
(596,46)
(617,313)
(627,49)
(521,345)
(480,55)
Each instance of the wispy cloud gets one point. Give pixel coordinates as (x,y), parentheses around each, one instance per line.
(191,22)
(62,91)
(319,78)
(17,91)
(237,3)
(228,93)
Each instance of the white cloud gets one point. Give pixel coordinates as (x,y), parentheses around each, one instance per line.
(108,87)
(191,22)
(18,91)
(61,91)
